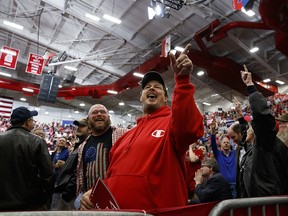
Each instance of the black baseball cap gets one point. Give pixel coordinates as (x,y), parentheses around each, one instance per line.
(21,114)
(153,75)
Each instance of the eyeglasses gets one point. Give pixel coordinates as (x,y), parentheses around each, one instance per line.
(102,112)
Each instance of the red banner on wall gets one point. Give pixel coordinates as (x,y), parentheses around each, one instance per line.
(166,46)
(35,64)
(8,57)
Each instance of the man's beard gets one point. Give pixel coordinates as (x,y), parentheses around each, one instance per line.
(81,137)
(150,108)
(101,128)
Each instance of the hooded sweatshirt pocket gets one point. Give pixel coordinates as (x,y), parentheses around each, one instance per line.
(131,191)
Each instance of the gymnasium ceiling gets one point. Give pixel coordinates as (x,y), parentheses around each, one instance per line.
(106,54)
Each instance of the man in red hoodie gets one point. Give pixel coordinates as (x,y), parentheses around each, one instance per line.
(147,169)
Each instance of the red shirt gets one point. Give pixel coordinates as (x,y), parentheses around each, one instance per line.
(147,169)
(191,168)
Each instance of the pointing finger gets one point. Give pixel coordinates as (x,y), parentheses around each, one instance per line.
(186,49)
(172,58)
(245,68)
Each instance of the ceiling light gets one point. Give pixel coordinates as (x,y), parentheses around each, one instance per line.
(254,49)
(151,13)
(207,104)
(112,92)
(138,74)
(60,86)
(9,52)
(76,112)
(90,16)
(82,104)
(200,73)
(158,9)
(266,80)
(121,104)
(14,25)
(180,49)
(279,82)
(249,13)
(5,74)
(214,95)
(23,99)
(112,19)
(27,89)
(70,68)
(69,116)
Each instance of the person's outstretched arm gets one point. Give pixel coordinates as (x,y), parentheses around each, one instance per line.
(187,123)
(263,120)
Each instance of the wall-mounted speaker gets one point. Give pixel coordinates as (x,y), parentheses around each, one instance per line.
(49,88)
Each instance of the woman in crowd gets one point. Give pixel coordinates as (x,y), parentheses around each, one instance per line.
(60,154)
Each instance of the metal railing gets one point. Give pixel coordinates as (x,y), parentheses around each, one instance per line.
(245,206)
(248,203)
(74,213)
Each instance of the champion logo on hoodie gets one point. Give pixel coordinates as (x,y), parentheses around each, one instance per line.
(158,133)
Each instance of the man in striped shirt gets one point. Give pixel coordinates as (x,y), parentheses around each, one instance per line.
(93,153)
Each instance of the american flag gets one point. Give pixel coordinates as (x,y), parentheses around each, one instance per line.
(6,105)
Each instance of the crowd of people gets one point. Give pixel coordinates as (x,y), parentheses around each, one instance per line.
(49,131)
(173,150)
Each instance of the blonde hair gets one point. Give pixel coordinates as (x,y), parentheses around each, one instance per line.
(221,138)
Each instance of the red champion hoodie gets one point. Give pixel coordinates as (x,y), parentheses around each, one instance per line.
(147,168)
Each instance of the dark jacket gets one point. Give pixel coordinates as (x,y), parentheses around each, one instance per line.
(66,179)
(243,145)
(26,170)
(214,189)
(263,168)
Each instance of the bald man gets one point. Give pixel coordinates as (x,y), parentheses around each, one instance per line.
(93,153)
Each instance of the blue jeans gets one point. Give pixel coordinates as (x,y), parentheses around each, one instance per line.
(233,190)
(77,201)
